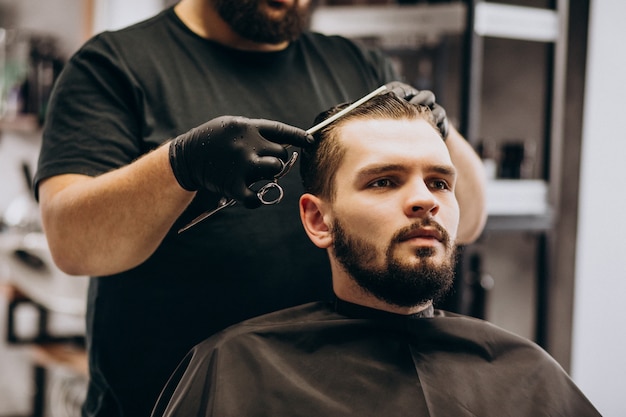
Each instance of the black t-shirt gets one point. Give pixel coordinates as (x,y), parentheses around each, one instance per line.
(128,91)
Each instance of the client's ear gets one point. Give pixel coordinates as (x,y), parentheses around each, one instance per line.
(312,215)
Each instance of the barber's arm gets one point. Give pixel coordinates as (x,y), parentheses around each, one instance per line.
(110,223)
(470,188)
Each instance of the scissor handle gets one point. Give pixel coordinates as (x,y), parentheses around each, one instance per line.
(287,165)
(266,189)
(273,185)
(261,194)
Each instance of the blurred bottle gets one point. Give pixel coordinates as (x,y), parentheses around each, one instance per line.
(517,159)
(512,156)
(44,67)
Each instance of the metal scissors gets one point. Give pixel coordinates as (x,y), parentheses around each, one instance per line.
(270,193)
(272,187)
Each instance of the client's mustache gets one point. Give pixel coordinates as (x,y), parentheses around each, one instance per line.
(427,223)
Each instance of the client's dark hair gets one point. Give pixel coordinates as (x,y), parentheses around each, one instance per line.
(319,162)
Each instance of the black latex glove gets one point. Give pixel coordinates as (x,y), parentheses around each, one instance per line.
(425,98)
(228,154)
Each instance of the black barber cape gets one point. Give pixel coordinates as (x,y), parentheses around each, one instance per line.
(321,359)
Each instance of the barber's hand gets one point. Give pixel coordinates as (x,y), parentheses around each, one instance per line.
(425,98)
(228,154)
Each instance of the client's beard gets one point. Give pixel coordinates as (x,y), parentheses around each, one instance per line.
(396,282)
(247,20)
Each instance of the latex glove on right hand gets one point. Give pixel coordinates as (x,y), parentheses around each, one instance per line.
(228,154)
(424,98)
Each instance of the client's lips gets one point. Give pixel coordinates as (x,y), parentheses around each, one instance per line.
(424,233)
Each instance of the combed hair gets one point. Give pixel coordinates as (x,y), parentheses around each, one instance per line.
(320,161)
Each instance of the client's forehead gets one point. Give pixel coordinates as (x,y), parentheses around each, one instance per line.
(408,142)
(385,133)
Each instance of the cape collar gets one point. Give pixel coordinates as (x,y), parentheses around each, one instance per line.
(361,312)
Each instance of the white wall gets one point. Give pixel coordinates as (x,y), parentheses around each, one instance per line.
(115,14)
(599,342)
(61,18)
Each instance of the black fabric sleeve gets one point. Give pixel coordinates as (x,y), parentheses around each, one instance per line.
(92,125)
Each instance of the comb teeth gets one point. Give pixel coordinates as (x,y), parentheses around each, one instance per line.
(347,110)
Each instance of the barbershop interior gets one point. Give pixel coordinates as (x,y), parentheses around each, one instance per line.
(533,85)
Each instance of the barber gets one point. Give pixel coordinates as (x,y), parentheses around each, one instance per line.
(114,189)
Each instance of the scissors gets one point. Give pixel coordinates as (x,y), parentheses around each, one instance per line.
(273,188)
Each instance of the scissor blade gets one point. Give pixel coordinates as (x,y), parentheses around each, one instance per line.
(223,203)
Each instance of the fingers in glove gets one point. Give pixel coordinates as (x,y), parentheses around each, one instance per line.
(424,98)
(264,168)
(439,113)
(401,90)
(246,196)
(441,119)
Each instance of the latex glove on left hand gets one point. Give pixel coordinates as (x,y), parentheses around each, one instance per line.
(424,98)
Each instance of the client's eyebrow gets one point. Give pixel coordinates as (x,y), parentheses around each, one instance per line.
(446,170)
(367,172)
(374,170)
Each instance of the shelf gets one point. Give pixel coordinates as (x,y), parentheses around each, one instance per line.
(391,20)
(518,205)
(433,20)
(525,223)
(517,198)
(516,22)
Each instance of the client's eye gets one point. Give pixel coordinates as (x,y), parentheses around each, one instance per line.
(381,183)
(439,184)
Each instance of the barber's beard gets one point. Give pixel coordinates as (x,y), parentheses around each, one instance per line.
(397,282)
(249,21)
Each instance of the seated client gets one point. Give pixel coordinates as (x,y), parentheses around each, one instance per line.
(380,199)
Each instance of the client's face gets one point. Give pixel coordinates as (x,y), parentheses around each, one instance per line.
(395,216)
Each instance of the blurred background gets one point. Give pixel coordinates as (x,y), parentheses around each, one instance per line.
(534,85)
